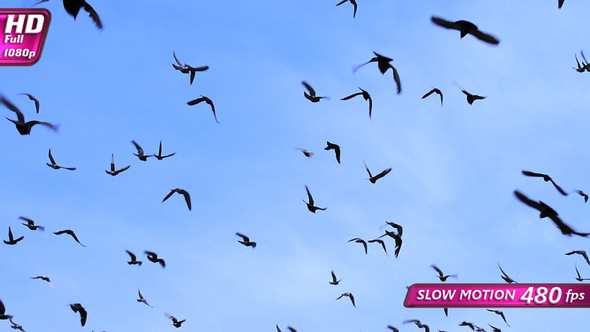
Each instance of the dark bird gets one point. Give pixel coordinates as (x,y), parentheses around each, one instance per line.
(246,241)
(464,323)
(335,147)
(31,224)
(334,281)
(560,3)
(140,154)
(33,99)
(494,329)
(392,328)
(308,154)
(441,275)
(159,156)
(359,240)
(44,278)
(585,66)
(187,69)
(374,179)
(77,307)
(74,6)
(380,242)
(177,323)
(3,314)
(398,241)
(208,101)
(71,233)
(24,128)
(153,257)
(506,277)
(310,204)
(16,326)
(311,96)
(546,178)
(349,296)
(437,91)
(384,63)
(11,239)
(579,277)
(547,211)
(142,299)
(398,227)
(471,98)
(133,260)
(113,170)
(418,323)
(187,197)
(366,96)
(466,28)
(580,252)
(56,166)
(353,2)
(581,193)
(500,313)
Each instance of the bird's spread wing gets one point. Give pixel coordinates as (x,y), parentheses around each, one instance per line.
(93,15)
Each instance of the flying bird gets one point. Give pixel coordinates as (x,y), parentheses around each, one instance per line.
(506,277)
(115,171)
(380,242)
(359,240)
(585,66)
(305,152)
(35,100)
(546,178)
(246,241)
(366,96)
(24,128)
(187,69)
(187,197)
(580,252)
(140,154)
(206,100)
(494,329)
(398,227)
(159,156)
(579,277)
(374,179)
(384,63)
(177,323)
(500,313)
(133,260)
(16,326)
(581,193)
(56,166)
(334,281)
(71,233)
(418,323)
(398,241)
(74,6)
(466,27)
(353,2)
(350,296)
(11,239)
(335,147)
(311,96)
(464,323)
(153,257)
(77,307)
(437,91)
(31,224)
(142,299)
(310,204)
(441,275)
(44,278)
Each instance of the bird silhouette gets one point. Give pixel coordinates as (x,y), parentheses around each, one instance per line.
(585,66)
(175,322)
(159,156)
(441,275)
(187,69)
(384,63)
(398,241)
(71,233)
(140,154)
(3,314)
(547,178)
(311,96)
(11,239)
(31,224)
(206,100)
(334,281)
(44,278)
(35,100)
(114,171)
(22,126)
(579,277)
(359,240)
(353,2)
(466,27)
(500,313)
(74,6)
(310,204)
(506,277)
(464,323)
(470,97)
(56,166)
(142,299)
(308,154)
(437,91)
(133,260)
(418,323)
(153,257)
(16,326)
(187,197)
(374,179)
(246,241)
(77,307)
(581,193)
(398,227)
(335,147)
(366,96)
(380,242)
(350,296)
(580,252)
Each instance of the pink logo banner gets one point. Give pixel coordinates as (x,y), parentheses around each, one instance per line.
(498,295)
(22,35)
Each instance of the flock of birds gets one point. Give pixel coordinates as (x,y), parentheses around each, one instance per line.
(465,28)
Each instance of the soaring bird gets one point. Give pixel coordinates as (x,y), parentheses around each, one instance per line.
(74,6)
(374,179)
(11,239)
(71,233)
(44,278)
(464,323)
(16,326)
(142,299)
(366,96)
(353,2)
(334,281)
(579,277)
(159,156)
(580,252)
(56,166)
(23,127)
(246,241)
(206,100)
(380,242)
(187,69)
(177,323)
(140,154)
(133,260)
(311,96)
(546,178)
(581,193)
(506,277)
(418,323)
(466,27)
(335,147)
(305,152)
(31,224)
(35,100)
(113,170)
(437,91)
(441,275)
(187,197)
(310,204)
(77,307)
(153,257)
(350,296)
(384,63)
(359,240)
(500,313)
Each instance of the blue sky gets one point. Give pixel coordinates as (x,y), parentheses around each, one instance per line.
(454,167)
